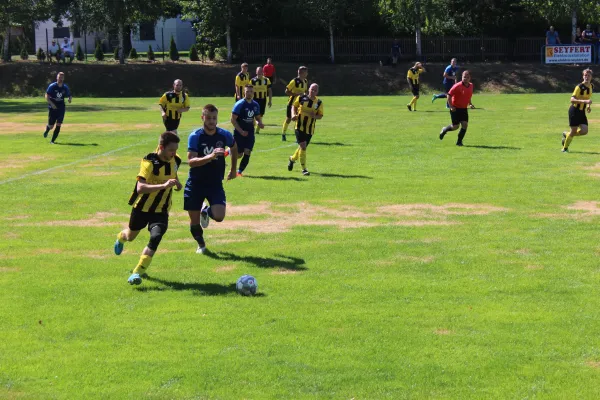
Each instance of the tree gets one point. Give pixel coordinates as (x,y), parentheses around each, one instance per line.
(194,53)
(24,55)
(79,53)
(173,52)
(150,53)
(98,53)
(133,54)
(20,12)
(40,55)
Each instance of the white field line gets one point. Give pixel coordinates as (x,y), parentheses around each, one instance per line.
(92,157)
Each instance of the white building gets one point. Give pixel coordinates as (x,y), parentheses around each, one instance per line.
(146,34)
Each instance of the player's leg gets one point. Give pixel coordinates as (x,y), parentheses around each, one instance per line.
(193,198)
(302,139)
(453,126)
(244,163)
(263,108)
(216,208)
(52,115)
(575,120)
(240,142)
(464,124)
(287,121)
(59,120)
(157,227)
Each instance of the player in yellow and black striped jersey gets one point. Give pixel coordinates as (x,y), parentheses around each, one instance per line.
(262,91)
(412,77)
(173,104)
(296,87)
(307,109)
(241,80)
(151,201)
(581,101)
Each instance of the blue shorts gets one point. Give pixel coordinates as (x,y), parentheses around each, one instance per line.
(57,115)
(194,197)
(244,142)
(448,86)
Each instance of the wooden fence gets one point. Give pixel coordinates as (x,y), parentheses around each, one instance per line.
(357,49)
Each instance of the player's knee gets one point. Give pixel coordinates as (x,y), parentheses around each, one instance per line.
(247,152)
(59,124)
(156,233)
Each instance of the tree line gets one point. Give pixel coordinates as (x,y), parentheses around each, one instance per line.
(224,22)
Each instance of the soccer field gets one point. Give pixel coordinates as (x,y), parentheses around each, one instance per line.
(403,267)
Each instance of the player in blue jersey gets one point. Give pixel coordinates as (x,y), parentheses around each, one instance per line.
(206,158)
(55,97)
(244,112)
(449,80)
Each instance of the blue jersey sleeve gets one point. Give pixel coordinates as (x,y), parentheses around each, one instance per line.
(229,139)
(448,70)
(237,107)
(193,142)
(67,91)
(50,87)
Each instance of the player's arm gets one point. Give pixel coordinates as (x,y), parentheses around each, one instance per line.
(259,121)
(318,114)
(162,103)
(186,105)
(236,125)
(195,161)
(143,187)
(49,101)
(288,88)
(238,83)
(295,108)
(233,170)
(69,94)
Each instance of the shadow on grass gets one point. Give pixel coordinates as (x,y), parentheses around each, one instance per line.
(7,106)
(274,178)
(76,144)
(583,152)
(327,175)
(281,262)
(330,144)
(492,147)
(201,289)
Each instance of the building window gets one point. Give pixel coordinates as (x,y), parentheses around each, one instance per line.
(76,33)
(147,31)
(61,32)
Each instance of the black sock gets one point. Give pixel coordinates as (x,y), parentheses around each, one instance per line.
(47,129)
(244,162)
(461,135)
(197,234)
(55,134)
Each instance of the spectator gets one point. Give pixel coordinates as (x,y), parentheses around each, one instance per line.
(54,51)
(577,37)
(589,37)
(269,71)
(552,37)
(395,52)
(67,50)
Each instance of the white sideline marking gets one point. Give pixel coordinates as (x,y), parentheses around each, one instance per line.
(18,178)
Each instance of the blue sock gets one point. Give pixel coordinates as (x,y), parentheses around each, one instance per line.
(440,96)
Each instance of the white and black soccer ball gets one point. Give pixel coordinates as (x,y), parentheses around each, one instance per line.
(246,285)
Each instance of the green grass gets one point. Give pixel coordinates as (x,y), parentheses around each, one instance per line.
(404,267)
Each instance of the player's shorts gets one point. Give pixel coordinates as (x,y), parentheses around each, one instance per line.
(415,89)
(171,124)
(460,115)
(263,105)
(244,142)
(194,195)
(139,219)
(303,137)
(448,86)
(57,115)
(577,117)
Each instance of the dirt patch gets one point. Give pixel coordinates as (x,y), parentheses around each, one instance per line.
(9,269)
(534,267)
(400,210)
(11,235)
(531,108)
(283,271)
(17,217)
(443,332)
(225,268)
(593,364)
(11,128)
(523,251)
(98,219)
(145,126)
(49,251)
(18,162)
(589,207)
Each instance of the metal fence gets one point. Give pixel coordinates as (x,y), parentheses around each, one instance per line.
(359,49)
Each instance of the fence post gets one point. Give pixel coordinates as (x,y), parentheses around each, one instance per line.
(162,33)
(47,49)
(85,46)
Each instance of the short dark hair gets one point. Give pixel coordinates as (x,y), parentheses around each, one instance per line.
(248,85)
(168,137)
(209,108)
(302,68)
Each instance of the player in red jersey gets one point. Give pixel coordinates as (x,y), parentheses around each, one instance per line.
(459,98)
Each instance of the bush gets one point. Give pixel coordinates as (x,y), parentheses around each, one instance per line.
(24,54)
(201,50)
(116,53)
(221,53)
(79,53)
(40,55)
(133,54)
(173,52)
(150,54)
(194,53)
(211,53)
(98,53)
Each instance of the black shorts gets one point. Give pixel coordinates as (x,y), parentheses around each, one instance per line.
(415,90)
(56,115)
(195,194)
(244,142)
(460,115)
(303,137)
(139,219)
(263,105)
(171,124)
(577,117)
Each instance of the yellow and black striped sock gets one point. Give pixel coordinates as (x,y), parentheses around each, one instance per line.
(143,264)
(568,140)
(285,127)
(303,158)
(296,155)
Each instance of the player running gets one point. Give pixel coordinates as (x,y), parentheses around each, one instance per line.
(55,97)
(243,115)
(459,98)
(581,101)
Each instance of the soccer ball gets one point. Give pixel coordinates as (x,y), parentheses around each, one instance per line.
(246,285)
